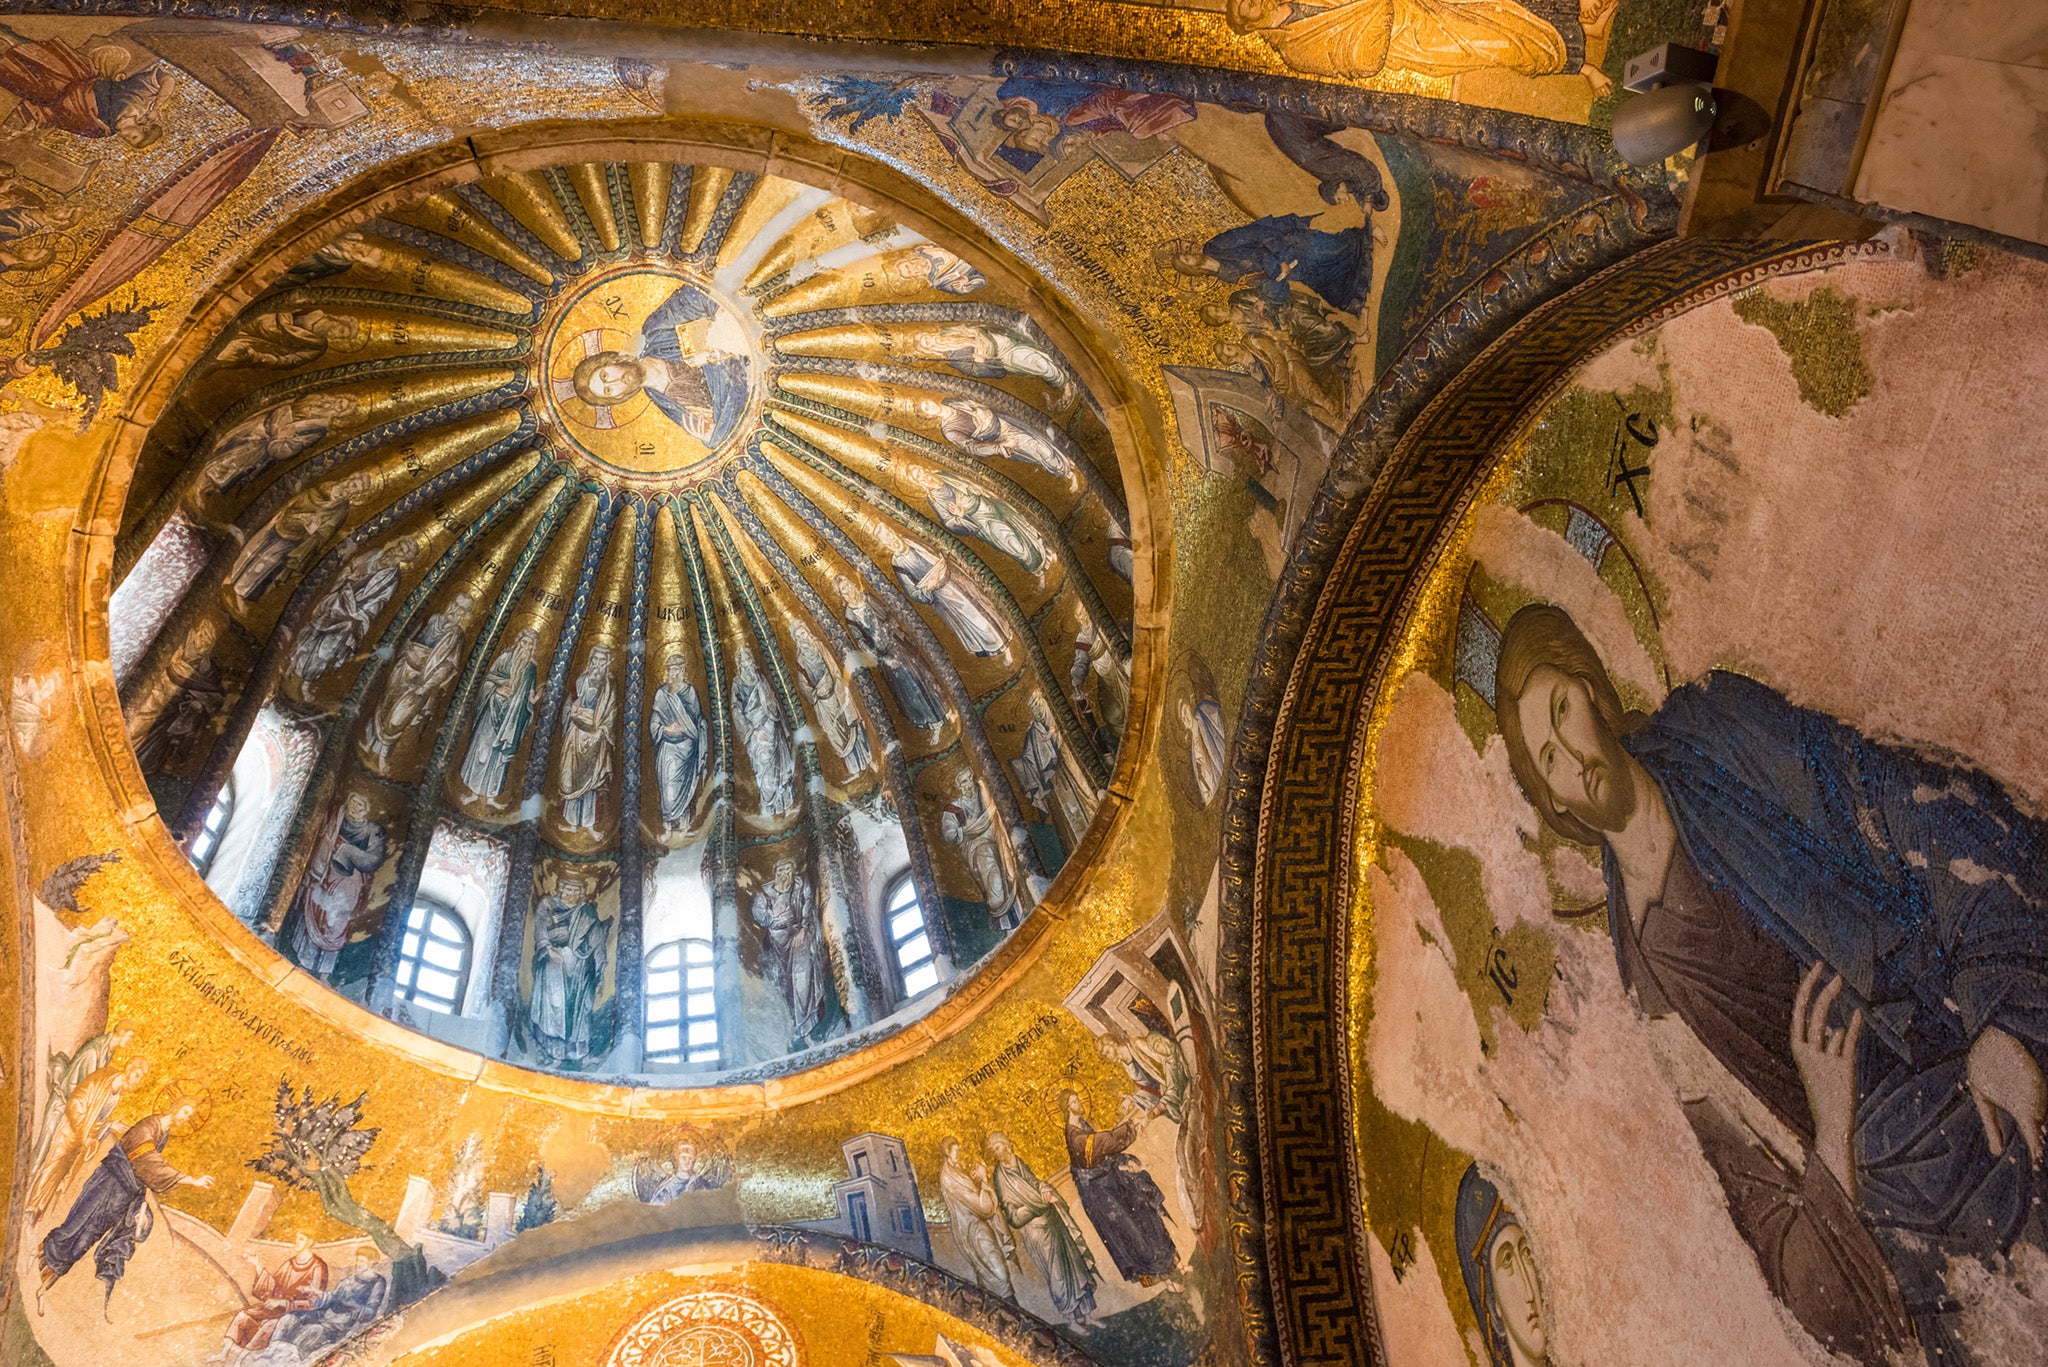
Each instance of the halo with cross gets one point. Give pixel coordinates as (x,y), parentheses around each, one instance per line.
(640,436)
(571,351)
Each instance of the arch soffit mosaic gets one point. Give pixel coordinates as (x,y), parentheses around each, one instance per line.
(1412,462)
(714,1256)
(1171,35)
(1136,431)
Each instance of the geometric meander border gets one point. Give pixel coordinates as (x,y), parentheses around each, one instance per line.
(1400,488)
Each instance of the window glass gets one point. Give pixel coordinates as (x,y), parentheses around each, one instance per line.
(915,962)
(206,844)
(434,958)
(682,1003)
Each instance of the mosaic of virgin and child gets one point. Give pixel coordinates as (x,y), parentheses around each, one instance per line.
(689,360)
(1850,936)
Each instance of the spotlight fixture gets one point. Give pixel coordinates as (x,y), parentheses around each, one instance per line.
(1675,108)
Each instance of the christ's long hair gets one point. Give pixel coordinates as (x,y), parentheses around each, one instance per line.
(587,368)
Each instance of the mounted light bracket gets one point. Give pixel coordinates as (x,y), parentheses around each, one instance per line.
(1669,64)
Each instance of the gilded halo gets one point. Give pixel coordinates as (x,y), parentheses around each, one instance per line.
(651,372)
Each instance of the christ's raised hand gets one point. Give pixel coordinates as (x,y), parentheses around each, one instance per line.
(1827,1065)
(2005,1077)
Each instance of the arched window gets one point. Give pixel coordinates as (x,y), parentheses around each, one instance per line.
(206,844)
(682,1003)
(434,960)
(909,939)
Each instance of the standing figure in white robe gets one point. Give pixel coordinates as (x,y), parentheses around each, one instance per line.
(344,614)
(981,432)
(503,712)
(915,691)
(793,952)
(680,738)
(993,354)
(968,822)
(1120,550)
(420,678)
(929,578)
(831,700)
(1047,1229)
(568,952)
(1052,780)
(277,433)
(1101,686)
(337,884)
(590,731)
(1207,745)
(975,1217)
(763,732)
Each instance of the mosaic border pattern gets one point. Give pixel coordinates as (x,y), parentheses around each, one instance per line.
(1412,462)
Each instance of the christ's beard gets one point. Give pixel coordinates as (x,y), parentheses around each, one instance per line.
(1611,778)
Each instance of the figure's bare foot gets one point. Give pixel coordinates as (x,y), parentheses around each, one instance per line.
(1601,82)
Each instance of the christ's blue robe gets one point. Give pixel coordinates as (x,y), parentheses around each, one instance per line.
(726,379)
(1920,884)
(108,1220)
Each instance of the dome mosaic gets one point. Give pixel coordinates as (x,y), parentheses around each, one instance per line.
(638,620)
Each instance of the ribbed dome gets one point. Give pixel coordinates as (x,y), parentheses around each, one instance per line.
(644,578)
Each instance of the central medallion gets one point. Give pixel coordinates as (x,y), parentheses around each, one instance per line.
(651,373)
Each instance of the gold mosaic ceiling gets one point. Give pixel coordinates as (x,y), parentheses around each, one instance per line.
(698,555)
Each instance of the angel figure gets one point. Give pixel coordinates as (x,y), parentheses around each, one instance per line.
(277,433)
(298,529)
(989,353)
(285,338)
(936,268)
(966,511)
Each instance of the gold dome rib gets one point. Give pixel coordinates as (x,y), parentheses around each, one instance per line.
(528,197)
(443,214)
(594,193)
(708,185)
(650,183)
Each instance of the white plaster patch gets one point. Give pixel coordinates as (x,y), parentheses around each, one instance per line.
(1415,1321)
(1431,783)
(1640,1261)
(2005,1309)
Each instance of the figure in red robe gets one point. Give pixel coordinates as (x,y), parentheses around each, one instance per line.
(294,1284)
(100,92)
